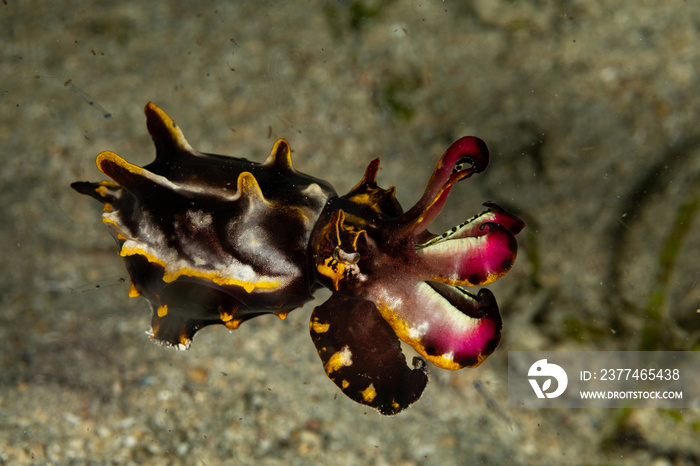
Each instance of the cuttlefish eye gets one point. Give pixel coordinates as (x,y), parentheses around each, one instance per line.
(346,257)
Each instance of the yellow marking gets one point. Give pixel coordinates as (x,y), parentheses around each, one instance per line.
(490,278)
(162,310)
(102,191)
(369,393)
(339,359)
(330,267)
(174,131)
(281,159)
(133,292)
(233,324)
(401,328)
(345,384)
(327,270)
(140,252)
(219,280)
(445,363)
(338,218)
(319,328)
(357,237)
(394,404)
(225,316)
(248,186)
(109,221)
(338,222)
(340,225)
(366,199)
(108,156)
(282,314)
(214,277)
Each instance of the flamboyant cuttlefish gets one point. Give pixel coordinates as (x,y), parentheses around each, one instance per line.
(210,239)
